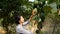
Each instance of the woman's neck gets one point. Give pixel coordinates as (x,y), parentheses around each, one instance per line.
(21,23)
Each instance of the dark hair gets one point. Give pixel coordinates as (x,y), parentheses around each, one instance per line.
(17,18)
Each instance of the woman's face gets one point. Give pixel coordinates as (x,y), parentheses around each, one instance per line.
(21,19)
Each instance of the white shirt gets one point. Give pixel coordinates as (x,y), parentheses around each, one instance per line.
(21,30)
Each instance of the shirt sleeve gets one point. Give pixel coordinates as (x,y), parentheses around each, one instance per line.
(24,31)
(26,22)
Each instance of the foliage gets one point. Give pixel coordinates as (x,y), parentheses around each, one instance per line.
(11,8)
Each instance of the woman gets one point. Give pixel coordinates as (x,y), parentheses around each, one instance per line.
(20,28)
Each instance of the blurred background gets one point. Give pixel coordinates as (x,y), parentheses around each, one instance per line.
(48,15)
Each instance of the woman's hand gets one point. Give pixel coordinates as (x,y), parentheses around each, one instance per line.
(33,26)
(34,11)
(32,30)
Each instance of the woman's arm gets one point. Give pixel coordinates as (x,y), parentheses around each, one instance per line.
(26,22)
(33,13)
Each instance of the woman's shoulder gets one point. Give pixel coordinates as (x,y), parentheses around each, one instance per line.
(18,26)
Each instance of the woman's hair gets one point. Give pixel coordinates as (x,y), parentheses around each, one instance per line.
(17,18)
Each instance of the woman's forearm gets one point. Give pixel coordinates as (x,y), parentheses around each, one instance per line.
(32,30)
(31,17)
